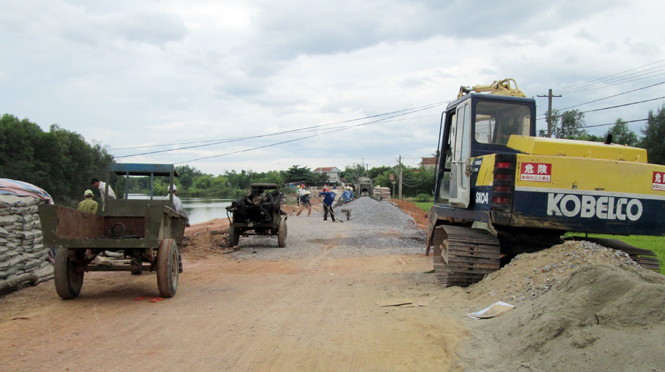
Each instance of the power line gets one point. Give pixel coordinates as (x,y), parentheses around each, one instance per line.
(612,96)
(160,145)
(604,125)
(617,106)
(301,138)
(599,80)
(622,81)
(609,81)
(310,128)
(625,104)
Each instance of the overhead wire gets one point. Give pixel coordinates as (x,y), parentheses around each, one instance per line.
(314,127)
(306,137)
(624,105)
(594,82)
(610,83)
(604,125)
(612,96)
(616,106)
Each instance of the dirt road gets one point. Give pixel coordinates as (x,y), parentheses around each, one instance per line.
(316,313)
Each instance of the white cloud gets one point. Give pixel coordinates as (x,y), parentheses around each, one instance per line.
(156,72)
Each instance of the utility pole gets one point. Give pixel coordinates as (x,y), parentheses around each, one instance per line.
(549,112)
(400,178)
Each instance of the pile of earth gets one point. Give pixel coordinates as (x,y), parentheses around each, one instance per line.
(207,238)
(417,213)
(589,308)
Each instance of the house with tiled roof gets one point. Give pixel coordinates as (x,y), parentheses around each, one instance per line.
(429,163)
(331,172)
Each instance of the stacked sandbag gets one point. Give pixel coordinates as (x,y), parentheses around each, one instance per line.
(382,193)
(22,248)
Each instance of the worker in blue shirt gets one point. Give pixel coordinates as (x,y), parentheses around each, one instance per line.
(328,198)
(346,197)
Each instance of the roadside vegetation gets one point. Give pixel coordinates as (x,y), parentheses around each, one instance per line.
(424,205)
(62,162)
(59,161)
(572,125)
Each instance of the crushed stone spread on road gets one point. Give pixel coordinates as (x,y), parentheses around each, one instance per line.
(368,211)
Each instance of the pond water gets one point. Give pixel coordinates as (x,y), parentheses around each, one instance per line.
(198,209)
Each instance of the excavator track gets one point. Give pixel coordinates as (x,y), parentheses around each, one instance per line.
(463,255)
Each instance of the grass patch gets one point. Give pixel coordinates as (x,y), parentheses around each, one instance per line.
(654,243)
(424,205)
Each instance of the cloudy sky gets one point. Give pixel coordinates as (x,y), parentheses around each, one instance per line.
(132,74)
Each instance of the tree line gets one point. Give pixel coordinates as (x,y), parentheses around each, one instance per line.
(571,125)
(232,184)
(62,162)
(59,161)
(195,183)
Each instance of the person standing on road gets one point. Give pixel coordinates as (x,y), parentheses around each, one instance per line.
(88,205)
(177,204)
(305,203)
(101,185)
(328,199)
(299,193)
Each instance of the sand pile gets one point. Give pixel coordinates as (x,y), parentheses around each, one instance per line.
(602,318)
(530,275)
(580,307)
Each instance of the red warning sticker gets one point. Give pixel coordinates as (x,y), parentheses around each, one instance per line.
(658,181)
(536,172)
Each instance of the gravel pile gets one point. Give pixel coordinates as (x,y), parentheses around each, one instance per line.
(368,211)
(530,275)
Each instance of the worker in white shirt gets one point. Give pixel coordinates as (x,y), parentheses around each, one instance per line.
(101,185)
(177,204)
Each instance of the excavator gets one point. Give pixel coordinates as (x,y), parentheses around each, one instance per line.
(502,191)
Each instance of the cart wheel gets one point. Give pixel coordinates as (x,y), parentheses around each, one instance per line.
(167,268)
(281,234)
(234,237)
(68,279)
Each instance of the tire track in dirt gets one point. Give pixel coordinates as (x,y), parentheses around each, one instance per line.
(313,314)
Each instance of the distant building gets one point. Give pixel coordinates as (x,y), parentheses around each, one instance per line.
(429,163)
(331,172)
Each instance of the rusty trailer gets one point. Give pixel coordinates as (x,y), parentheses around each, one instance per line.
(142,235)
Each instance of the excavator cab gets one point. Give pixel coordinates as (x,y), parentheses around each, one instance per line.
(476,125)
